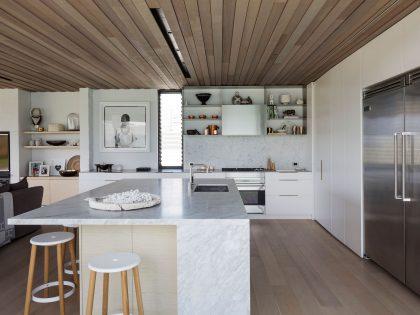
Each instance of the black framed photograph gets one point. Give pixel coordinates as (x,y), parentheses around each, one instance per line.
(125,127)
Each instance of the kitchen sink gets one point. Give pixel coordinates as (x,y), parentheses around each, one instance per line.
(211,188)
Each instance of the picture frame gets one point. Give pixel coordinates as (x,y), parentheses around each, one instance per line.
(34,168)
(124,127)
(44,170)
(57,166)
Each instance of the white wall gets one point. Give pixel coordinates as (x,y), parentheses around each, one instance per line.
(395,51)
(14,115)
(128,160)
(55,107)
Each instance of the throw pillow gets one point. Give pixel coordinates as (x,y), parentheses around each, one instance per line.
(4,188)
(23,184)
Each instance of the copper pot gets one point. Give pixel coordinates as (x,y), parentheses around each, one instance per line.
(213,129)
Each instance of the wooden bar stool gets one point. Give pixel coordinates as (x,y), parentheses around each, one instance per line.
(113,263)
(67,265)
(47,240)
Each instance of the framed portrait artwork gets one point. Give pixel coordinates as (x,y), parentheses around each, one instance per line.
(44,170)
(125,127)
(34,168)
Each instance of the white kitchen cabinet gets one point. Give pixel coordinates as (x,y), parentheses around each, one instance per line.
(289,195)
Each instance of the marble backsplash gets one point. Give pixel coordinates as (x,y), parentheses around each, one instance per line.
(248,151)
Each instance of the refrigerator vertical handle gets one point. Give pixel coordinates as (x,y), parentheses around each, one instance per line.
(321,169)
(404,163)
(396,196)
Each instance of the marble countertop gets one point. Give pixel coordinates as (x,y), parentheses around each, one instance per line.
(178,204)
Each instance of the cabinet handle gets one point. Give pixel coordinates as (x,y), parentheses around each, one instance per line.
(288,180)
(321,169)
(289,195)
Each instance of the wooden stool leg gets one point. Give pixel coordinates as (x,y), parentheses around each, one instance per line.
(63,250)
(60,272)
(46,267)
(73,262)
(30,280)
(124,289)
(92,281)
(105,294)
(138,290)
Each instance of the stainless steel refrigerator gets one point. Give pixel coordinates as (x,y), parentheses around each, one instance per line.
(391,175)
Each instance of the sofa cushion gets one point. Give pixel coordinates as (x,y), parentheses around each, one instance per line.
(23,184)
(4,188)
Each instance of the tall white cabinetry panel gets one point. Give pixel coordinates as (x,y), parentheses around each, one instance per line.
(322,164)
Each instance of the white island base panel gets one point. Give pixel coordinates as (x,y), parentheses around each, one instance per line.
(191,267)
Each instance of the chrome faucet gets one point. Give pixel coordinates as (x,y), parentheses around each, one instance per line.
(192,165)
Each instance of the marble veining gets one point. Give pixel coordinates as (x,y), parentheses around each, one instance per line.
(177,203)
(248,151)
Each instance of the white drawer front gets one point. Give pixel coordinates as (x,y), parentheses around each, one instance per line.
(292,175)
(289,206)
(288,187)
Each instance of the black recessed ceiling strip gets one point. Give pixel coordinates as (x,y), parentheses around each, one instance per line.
(170,40)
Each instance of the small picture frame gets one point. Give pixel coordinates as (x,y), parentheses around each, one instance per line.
(57,166)
(44,170)
(34,168)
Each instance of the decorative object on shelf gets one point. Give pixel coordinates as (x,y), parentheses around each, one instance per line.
(272,112)
(127,200)
(271,99)
(214,116)
(55,127)
(193,132)
(202,116)
(246,101)
(74,142)
(40,129)
(213,129)
(73,122)
(285,99)
(289,112)
(34,168)
(117,168)
(299,101)
(57,166)
(36,117)
(68,173)
(74,163)
(44,170)
(37,142)
(236,99)
(191,117)
(143,169)
(269,130)
(31,142)
(271,166)
(56,142)
(203,97)
(297,130)
(125,127)
(103,167)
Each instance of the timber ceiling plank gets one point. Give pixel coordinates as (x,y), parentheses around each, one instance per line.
(217,23)
(197,33)
(64,45)
(207,29)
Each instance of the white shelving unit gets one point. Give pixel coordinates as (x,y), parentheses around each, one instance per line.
(52,132)
(61,147)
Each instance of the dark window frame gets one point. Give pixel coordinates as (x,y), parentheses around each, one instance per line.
(159,133)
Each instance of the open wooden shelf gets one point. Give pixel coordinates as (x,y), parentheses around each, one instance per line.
(51,132)
(61,147)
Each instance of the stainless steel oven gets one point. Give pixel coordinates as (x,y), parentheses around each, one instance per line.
(251,186)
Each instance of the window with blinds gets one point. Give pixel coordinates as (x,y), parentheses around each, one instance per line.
(170,129)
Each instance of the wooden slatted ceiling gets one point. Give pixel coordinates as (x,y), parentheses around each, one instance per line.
(64,45)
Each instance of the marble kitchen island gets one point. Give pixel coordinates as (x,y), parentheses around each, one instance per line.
(195,246)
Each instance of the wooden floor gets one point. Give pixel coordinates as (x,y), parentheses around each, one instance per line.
(296,268)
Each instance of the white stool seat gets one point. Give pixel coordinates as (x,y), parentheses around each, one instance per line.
(72,226)
(114,262)
(51,239)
